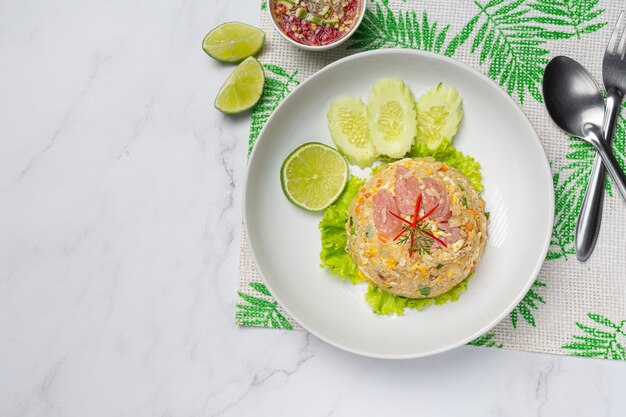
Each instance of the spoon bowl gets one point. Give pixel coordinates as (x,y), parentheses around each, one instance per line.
(572,96)
(574,101)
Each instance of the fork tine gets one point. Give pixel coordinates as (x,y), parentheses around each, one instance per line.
(610,48)
(622,45)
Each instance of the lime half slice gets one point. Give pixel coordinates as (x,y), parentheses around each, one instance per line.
(313,176)
(233,42)
(242,89)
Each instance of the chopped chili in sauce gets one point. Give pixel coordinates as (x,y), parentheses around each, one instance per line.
(316,22)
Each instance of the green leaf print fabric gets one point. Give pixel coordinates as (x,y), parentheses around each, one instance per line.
(573,308)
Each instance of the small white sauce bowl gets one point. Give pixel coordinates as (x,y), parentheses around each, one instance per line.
(270,10)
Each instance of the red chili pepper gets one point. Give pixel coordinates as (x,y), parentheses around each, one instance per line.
(418,203)
(436,238)
(429,213)
(413,225)
(399,234)
(400,218)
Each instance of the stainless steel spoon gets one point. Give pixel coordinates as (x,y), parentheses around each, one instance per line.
(614,78)
(575,103)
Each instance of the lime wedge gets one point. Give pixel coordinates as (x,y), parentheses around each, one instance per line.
(313,176)
(242,89)
(233,42)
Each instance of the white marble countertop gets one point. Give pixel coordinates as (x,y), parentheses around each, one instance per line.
(120,210)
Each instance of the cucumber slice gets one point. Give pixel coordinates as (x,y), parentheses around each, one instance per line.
(391,116)
(439,115)
(347,122)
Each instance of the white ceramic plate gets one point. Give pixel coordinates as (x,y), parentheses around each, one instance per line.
(285,241)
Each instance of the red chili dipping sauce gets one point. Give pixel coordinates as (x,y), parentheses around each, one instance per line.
(316,22)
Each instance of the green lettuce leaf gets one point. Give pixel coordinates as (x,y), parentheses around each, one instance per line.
(447,153)
(384,303)
(334,239)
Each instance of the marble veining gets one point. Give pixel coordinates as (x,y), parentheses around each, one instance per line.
(120,214)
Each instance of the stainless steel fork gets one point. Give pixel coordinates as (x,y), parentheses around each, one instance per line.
(614,79)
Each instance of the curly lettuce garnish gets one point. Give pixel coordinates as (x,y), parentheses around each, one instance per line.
(334,239)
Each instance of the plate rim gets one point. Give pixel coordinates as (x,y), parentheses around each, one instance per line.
(536,140)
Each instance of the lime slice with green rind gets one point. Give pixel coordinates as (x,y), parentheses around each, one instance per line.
(233,42)
(242,89)
(313,176)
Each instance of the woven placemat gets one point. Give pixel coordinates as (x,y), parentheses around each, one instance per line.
(573,308)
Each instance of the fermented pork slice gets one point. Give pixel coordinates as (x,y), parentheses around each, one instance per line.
(407,190)
(455,233)
(386,224)
(435,193)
